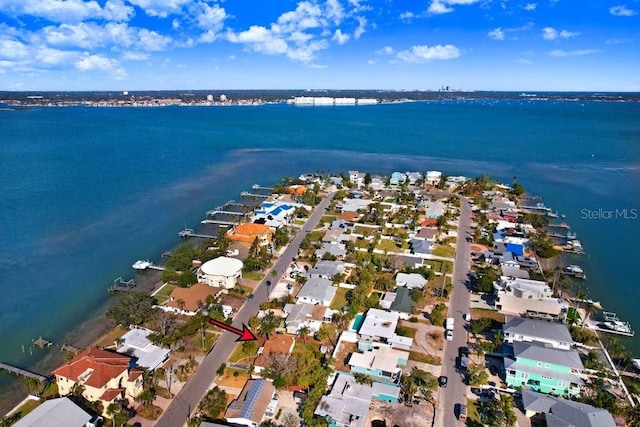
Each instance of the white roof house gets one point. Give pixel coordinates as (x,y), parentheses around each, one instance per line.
(222,272)
(148,355)
(54,413)
(411,280)
(347,403)
(379,324)
(317,291)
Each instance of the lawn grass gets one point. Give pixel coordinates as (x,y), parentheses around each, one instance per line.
(316,236)
(27,407)
(238,354)
(406,331)
(425,358)
(163,294)
(444,251)
(365,231)
(340,299)
(240,290)
(436,265)
(477,313)
(388,245)
(252,275)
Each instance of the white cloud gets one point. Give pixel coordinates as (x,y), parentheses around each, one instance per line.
(152,41)
(372,62)
(387,50)
(549,33)
(211,18)
(135,56)
(524,61)
(559,53)
(160,8)
(335,11)
(622,10)
(530,6)
(68,11)
(51,57)
(13,49)
(90,62)
(407,16)
(339,37)
(439,7)
(423,53)
(362,23)
(496,34)
(617,40)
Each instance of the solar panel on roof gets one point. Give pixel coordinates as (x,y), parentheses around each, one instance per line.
(251,398)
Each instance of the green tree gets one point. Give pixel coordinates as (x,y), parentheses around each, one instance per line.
(132,309)
(477,326)
(367,178)
(118,414)
(438,314)
(303,332)
(145,398)
(187,278)
(269,323)
(213,403)
(478,375)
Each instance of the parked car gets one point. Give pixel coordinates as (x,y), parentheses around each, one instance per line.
(442,381)
(448,335)
(467,317)
(250,297)
(493,369)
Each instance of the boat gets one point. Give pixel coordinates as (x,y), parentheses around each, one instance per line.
(574,269)
(141,265)
(618,326)
(636,363)
(552,214)
(571,236)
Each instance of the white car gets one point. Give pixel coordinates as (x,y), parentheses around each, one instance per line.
(448,335)
(467,317)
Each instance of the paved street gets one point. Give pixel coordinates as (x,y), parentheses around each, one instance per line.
(455,393)
(184,404)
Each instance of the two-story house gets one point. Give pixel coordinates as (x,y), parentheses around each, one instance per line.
(104,375)
(382,364)
(541,367)
(528,330)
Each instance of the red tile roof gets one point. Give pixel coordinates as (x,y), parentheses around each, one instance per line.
(277,344)
(190,296)
(111,393)
(106,365)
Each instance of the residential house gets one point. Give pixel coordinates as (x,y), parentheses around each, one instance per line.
(326,269)
(222,272)
(427,233)
(249,408)
(274,214)
(421,247)
(357,178)
(354,205)
(518,329)
(435,209)
(379,327)
(106,376)
(411,280)
(432,178)
(317,291)
(349,216)
(338,250)
(531,298)
(276,345)
(309,315)
(397,178)
(382,364)
(135,343)
(413,177)
(248,232)
(556,412)
(541,367)
(347,404)
(403,304)
(511,270)
(188,301)
(55,413)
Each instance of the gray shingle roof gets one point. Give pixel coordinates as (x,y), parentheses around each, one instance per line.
(547,354)
(538,328)
(318,289)
(561,412)
(54,413)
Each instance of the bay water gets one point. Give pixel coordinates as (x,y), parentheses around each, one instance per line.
(85,192)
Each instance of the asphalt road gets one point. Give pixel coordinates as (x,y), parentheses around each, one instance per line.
(455,393)
(186,401)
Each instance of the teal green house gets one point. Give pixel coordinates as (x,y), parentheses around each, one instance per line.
(541,367)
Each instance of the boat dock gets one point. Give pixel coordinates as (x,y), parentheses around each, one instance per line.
(215,222)
(258,187)
(219,211)
(188,232)
(561,225)
(247,194)
(24,372)
(120,285)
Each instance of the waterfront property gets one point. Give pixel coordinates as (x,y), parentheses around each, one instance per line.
(147,355)
(221,272)
(519,329)
(532,298)
(248,232)
(106,377)
(543,368)
(55,413)
(249,408)
(553,411)
(188,301)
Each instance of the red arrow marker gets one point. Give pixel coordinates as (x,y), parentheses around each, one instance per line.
(244,335)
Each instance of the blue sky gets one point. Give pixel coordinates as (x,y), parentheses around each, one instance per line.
(575,45)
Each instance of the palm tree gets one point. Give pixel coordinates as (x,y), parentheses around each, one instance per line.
(269,323)
(303,332)
(589,310)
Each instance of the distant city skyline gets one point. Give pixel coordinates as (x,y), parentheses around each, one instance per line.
(508,45)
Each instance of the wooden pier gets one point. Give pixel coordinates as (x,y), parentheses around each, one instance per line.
(561,225)
(219,211)
(247,194)
(190,233)
(24,372)
(258,187)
